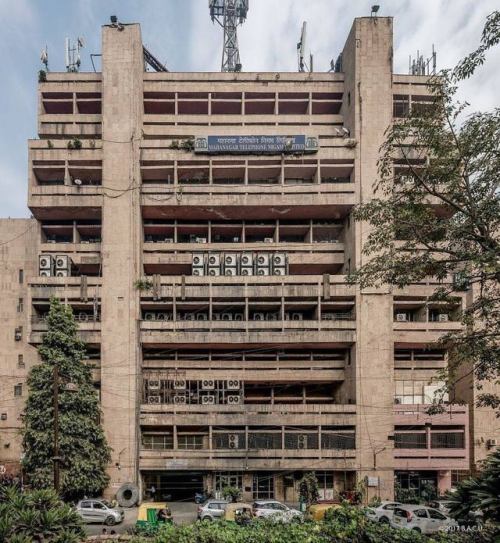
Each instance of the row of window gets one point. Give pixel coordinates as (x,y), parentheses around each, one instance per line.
(438,440)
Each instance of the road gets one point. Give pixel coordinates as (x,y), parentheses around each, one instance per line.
(182,512)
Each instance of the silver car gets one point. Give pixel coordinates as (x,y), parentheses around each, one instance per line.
(420,518)
(99,511)
(212,510)
(382,513)
(275,510)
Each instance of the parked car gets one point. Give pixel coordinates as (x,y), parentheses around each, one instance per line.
(99,511)
(276,510)
(420,518)
(212,510)
(382,513)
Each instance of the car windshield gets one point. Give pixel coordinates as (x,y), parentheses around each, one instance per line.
(106,503)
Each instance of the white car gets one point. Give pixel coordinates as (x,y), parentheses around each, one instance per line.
(100,511)
(382,513)
(420,518)
(275,510)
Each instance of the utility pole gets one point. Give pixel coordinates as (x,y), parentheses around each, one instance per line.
(56,428)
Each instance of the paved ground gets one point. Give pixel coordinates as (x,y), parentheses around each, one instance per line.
(182,512)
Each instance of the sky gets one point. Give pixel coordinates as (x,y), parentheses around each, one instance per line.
(181,34)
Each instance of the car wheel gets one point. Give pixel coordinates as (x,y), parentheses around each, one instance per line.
(110,521)
(384,520)
(417,530)
(207,519)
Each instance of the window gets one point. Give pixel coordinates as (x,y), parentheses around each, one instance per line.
(98,505)
(263,487)
(228,479)
(86,505)
(433,513)
(409,440)
(421,513)
(389,506)
(447,440)
(339,440)
(18,390)
(157,441)
(20,305)
(20,361)
(190,441)
(21,277)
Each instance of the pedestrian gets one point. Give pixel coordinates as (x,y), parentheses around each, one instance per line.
(152,492)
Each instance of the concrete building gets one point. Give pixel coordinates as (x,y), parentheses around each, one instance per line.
(202,234)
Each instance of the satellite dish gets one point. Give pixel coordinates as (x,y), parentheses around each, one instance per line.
(77,181)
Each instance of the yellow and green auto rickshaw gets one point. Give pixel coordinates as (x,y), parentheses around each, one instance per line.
(152,514)
(241,513)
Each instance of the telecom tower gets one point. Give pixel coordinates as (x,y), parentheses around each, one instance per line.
(229,14)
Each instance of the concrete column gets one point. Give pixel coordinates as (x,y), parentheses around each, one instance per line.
(444,481)
(122,75)
(367,63)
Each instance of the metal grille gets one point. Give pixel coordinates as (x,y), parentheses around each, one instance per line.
(264,441)
(410,441)
(447,440)
(338,441)
(228,440)
(301,441)
(157,442)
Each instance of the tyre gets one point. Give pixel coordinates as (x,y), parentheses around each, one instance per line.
(207,519)
(384,520)
(127,495)
(110,521)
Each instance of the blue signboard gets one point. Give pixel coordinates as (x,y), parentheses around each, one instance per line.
(255,144)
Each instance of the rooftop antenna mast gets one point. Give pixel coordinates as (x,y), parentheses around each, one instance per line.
(44,57)
(423,66)
(301,51)
(72,55)
(229,14)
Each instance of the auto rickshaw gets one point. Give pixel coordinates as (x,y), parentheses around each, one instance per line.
(147,516)
(317,511)
(241,513)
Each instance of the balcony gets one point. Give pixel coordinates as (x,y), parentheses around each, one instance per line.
(248,414)
(88,331)
(64,288)
(416,334)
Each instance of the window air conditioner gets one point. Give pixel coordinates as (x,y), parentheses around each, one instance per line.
(180,399)
(233,440)
(227,316)
(328,316)
(214,272)
(279,259)
(62,273)
(490,443)
(149,316)
(238,316)
(154,399)
(45,262)
(246,271)
(198,272)
(45,273)
(263,271)
(268,240)
(230,260)
(214,260)
(401,317)
(258,316)
(189,316)
(179,384)
(62,262)
(302,441)
(153,385)
(208,400)
(201,316)
(233,384)
(198,259)
(208,384)
(164,316)
(443,317)
(263,259)
(201,240)
(296,316)
(279,271)
(230,271)
(246,259)
(233,399)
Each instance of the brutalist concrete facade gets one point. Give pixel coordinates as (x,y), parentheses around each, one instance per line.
(213,375)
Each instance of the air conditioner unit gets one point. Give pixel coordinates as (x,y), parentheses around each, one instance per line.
(233,384)
(227,316)
(201,317)
(296,316)
(233,440)
(179,384)
(154,385)
(189,316)
(490,443)
(45,262)
(233,399)
(259,317)
(208,400)
(198,259)
(180,399)
(279,260)
(154,399)
(262,271)
(214,260)
(198,272)
(272,316)
(82,317)
(302,441)
(168,240)
(443,317)
(45,273)
(149,239)
(246,271)
(230,271)
(214,272)
(163,316)
(268,240)
(201,240)
(279,271)
(208,384)
(18,334)
(230,260)
(401,317)
(328,316)
(238,316)
(149,316)
(62,262)
(262,260)
(62,273)
(216,316)
(246,260)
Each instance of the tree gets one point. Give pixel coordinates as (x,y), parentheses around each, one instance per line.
(308,488)
(481,493)
(84,453)
(231,493)
(37,516)
(436,214)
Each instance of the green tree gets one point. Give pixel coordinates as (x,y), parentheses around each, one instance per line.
(84,453)
(36,517)
(231,493)
(308,488)
(439,154)
(481,493)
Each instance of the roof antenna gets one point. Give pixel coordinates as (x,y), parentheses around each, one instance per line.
(301,51)
(229,14)
(72,55)
(44,57)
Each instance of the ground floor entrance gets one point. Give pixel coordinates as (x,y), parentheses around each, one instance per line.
(426,484)
(172,485)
